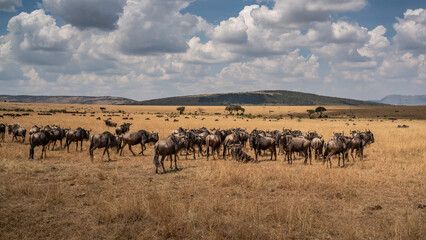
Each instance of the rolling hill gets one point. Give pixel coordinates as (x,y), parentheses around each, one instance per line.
(416,100)
(270,97)
(105,100)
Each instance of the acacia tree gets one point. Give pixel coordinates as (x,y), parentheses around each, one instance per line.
(310,112)
(232,108)
(180,109)
(320,110)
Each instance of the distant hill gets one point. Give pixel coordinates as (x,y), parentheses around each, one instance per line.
(416,100)
(270,97)
(67,99)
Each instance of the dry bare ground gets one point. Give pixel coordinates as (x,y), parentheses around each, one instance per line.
(67,196)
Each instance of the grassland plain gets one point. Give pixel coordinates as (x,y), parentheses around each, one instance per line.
(67,196)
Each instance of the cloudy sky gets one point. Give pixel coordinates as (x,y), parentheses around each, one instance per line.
(144,49)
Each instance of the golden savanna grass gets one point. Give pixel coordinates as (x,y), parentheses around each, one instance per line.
(67,196)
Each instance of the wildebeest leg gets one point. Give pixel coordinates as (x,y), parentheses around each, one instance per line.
(343,160)
(176,163)
(162,163)
(142,148)
(130,148)
(76,146)
(81,146)
(122,147)
(352,154)
(208,151)
(171,161)
(42,150)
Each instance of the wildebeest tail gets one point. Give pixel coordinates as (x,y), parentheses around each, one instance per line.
(91,146)
(156,162)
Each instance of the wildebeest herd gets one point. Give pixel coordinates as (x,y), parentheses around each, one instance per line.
(232,142)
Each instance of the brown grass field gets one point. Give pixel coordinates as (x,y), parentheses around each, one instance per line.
(66,196)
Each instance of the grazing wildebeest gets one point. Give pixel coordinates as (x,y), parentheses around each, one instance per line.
(165,147)
(140,137)
(39,138)
(17,130)
(214,141)
(292,144)
(76,136)
(34,129)
(259,142)
(3,130)
(57,134)
(122,129)
(105,140)
(110,124)
(336,145)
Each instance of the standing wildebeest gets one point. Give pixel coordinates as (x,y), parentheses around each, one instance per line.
(76,136)
(214,141)
(34,129)
(105,140)
(39,138)
(259,142)
(355,143)
(122,129)
(231,139)
(292,144)
(17,130)
(2,130)
(57,134)
(317,144)
(336,145)
(165,147)
(140,137)
(367,136)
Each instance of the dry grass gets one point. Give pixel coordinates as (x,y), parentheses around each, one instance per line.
(68,197)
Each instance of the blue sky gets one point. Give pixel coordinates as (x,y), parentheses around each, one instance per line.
(153,48)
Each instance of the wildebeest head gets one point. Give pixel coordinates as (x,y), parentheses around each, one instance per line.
(153,137)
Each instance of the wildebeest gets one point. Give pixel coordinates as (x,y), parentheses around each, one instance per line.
(336,146)
(355,143)
(34,129)
(140,137)
(238,153)
(122,129)
(3,130)
(231,139)
(110,124)
(214,141)
(39,138)
(259,142)
(57,134)
(105,140)
(165,147)
(317,143)
(292,144)
(76,136)
(17,130)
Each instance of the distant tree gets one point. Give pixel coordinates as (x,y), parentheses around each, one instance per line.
(181,109)
(229,109)
(310,112)
(320,110)
(102,109)
(236,108)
